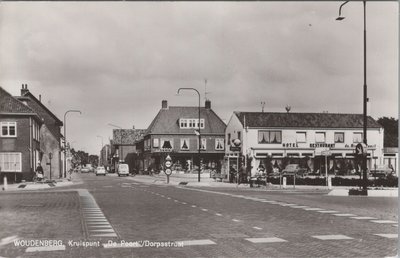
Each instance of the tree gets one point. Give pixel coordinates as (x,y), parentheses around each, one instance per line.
(391,134)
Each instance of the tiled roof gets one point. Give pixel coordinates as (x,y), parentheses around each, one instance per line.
(9,105)
(28,94)
(167,121)
(305,120)
(127,136)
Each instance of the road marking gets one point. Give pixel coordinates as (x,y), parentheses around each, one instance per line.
(107,186)
(176,201)
(363,218)
(265,240)
(345,215)
(103,230)
(204,209)
(328,211)
(332,237)
(184,203)
(288,204)
(8,240)
(100,226)
(45,248)
(98,222)
(235,220)
(169,198)
(384,221)
(218,214)
(388,235)
(395,225)
(299,207)
(196,242)
(313,209)
(105,235)
(194,206)
(257,228)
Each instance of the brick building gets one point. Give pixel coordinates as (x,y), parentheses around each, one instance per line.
(19,138)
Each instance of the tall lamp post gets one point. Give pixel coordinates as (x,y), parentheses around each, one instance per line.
(101,151)
(365,99)
(65,139)
(198,124)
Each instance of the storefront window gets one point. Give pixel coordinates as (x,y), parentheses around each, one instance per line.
(203,143)
(156,143)
(166,144)
(339,137)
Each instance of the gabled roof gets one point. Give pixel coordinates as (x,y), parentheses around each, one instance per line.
(304,120)
(11,105)
(29,95)
(167,121)
(127,136)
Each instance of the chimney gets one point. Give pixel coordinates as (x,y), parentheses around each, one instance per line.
(164,104)
(208,104)
(40,97)
(24,89)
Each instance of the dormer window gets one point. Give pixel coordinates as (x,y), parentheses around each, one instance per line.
(192,123)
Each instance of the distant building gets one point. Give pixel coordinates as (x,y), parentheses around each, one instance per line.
(173,131)
(277,139)
(20,146)
(50,134)
(123,147)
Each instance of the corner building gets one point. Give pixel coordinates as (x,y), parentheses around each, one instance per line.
(275,140)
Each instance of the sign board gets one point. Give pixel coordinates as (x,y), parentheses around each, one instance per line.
(168,171)
(168,161)
(233,148)
(326,153)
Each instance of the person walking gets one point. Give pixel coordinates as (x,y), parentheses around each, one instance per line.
(39,172)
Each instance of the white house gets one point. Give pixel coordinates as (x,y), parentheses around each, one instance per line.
(278,139)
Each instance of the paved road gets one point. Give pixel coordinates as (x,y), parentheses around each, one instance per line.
(211,222)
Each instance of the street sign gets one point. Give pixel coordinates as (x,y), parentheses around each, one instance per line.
(168,171)
(168,161)
(326,153)
(234,148)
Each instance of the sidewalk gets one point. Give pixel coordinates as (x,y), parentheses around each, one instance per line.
(205,181)
(28,186)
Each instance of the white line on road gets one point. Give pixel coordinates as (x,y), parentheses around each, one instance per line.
(388,235)
(384,221)
(194,206)
(8,240)
(313,209)
(45,248)
(328,211)
(235,220)
(266,240)
(184,203)
(332,237)
(105,235)
(102,230)
(204,209)
(100,226)
(257,228)
(299,207)
(196,242)
(345,215)
(218,214)
(363,218)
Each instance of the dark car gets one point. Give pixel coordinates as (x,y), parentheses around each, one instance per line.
(294,169)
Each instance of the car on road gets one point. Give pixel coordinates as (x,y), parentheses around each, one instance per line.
(294,169)
(381,171)
(123,169)
(101,171)
(85,170)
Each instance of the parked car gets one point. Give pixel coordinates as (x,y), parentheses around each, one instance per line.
(381,171)
(123,169)
(85,170)
(294,169)
(101,171)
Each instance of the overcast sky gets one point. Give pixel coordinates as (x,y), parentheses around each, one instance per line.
(116,61)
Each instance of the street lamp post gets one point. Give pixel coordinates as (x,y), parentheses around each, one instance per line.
(198,124)
(365,99)
(65,139)
(101,151)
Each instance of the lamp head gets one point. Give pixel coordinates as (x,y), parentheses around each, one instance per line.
(340,18)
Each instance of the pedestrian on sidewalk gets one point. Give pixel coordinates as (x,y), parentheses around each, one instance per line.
(39,172)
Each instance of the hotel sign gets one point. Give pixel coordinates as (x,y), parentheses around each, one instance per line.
(322,145)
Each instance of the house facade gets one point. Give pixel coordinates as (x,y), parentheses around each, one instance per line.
(277,139)
(123,148)
(20,142)
(174,132)
(50,134)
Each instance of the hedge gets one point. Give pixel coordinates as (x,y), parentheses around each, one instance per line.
(337,181)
